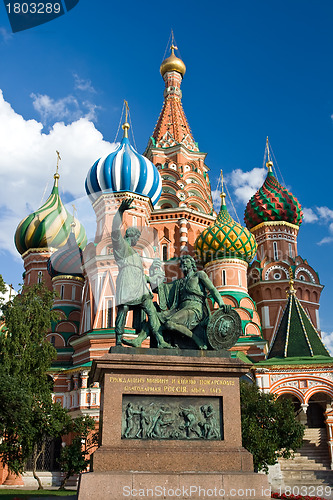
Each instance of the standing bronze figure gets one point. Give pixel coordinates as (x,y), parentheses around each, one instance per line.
(131,285)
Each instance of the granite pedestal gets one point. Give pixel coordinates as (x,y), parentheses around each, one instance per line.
(133,462)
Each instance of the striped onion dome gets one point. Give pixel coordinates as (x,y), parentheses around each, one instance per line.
(49,226)
(124,170)
(272,203)
(67,260)
(225,238)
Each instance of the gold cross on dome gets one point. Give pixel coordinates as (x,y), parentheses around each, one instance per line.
(58,159)
(126,110)
(74,210)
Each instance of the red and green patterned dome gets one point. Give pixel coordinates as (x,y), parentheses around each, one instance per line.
(225,238)
(272,203)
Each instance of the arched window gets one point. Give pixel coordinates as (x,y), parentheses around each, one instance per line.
(40,277)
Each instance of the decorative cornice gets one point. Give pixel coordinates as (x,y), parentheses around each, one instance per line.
(38,250)
(67,277)
(123,194)
(227,260)
(274,223)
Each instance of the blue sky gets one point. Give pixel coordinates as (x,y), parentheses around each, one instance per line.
(253,69)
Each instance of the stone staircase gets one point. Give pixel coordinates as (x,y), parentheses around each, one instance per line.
(310,468)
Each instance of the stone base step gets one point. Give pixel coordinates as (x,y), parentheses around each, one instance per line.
(308,476)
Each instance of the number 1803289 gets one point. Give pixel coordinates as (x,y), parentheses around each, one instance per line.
(33,8)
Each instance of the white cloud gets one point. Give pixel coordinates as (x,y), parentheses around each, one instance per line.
(28,161)
(91,113)
(83,85)
(325,213)
(328,341)
(309,215)
(216,196)
(245,184)
(5,34)
(67,108)
(324,241)
(322,216)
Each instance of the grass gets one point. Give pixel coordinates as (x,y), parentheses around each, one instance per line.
(19,494)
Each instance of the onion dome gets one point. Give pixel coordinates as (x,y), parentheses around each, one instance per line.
(67,260)
(272,203)
(124,170)
(49,226)
(225,238)
(173,63)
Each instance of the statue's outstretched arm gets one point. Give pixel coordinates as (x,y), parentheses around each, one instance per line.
(118,217)
(116,235)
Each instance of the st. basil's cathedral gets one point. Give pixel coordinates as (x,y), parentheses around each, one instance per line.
(256,267)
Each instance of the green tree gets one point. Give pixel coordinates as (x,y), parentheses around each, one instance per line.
(2,285)
(74,458)
(269,427)
(2,291)
(27,413)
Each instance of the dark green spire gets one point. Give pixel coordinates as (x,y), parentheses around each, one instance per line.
(296,336)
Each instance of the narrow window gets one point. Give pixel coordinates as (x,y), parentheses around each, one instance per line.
(53,340)
(224,277)
(109,314)
(62,289)
(40,277)
(73,292)
(164,252)
(290,250)
(239,278)
(134,221)
(275,249)
(87,322)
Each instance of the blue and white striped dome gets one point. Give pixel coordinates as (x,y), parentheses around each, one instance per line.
(124,170)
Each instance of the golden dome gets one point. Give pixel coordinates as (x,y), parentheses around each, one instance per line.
(225,238)
(173,63)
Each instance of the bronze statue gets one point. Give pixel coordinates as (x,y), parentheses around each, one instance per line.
(192,310)
(183,308)
(131,285)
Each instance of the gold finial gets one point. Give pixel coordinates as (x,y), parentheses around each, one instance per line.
(56,175)
(173,43)
(269,163)
(291,282)
(73,223)
(173,48)
(172,63)
(126,125)
(222,195)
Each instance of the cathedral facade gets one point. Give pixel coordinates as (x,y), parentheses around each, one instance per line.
(251,266)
